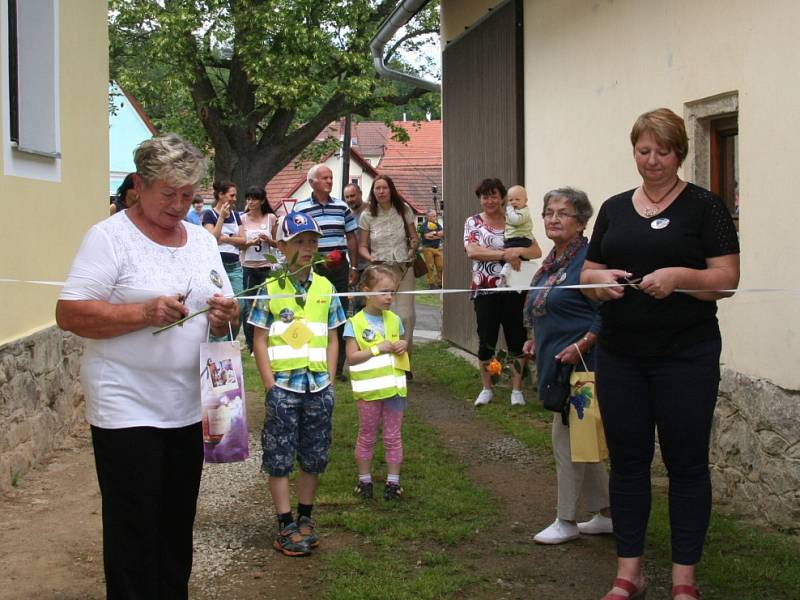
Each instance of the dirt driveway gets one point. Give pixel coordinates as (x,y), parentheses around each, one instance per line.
(50,542)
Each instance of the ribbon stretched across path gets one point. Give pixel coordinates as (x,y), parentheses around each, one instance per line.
(580,286)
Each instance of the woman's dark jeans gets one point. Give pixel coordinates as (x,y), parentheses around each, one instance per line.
(676,395)
(252,276)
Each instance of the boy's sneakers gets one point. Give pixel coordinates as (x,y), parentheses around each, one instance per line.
(517,399)
(392,491)
(291,542)
(364,490)
(306,528)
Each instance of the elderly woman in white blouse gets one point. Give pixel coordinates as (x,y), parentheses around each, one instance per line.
(136,271)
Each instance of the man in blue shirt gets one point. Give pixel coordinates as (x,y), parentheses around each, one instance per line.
(338,234)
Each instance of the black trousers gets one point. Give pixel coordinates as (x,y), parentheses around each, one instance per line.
(676,396)
(492,311)
(251,276)
(339,277)
(149,480)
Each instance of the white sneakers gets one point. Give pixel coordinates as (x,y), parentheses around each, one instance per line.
(564,531)
(596,525)
(484,397)
(517,399)
(558,533)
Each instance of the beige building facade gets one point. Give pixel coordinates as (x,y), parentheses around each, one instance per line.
(53,186)
(589,68)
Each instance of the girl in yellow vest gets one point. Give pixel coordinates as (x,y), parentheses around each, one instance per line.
(376,352)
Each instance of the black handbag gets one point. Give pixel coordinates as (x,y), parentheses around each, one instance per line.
(555,393)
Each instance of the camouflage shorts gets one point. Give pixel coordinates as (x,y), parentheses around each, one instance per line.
(296,424)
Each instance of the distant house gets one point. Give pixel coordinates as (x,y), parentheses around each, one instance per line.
(415,166)
(128,126)
(291,183)
(54,154)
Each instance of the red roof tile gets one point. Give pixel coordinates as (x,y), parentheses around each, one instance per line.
(416,166)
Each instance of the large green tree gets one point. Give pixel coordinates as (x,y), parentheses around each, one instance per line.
(255,81)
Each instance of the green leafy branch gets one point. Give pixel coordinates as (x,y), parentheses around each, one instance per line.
(280,277)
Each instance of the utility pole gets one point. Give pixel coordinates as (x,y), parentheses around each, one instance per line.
(346,154)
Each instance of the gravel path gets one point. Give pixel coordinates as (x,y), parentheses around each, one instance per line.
(229,520)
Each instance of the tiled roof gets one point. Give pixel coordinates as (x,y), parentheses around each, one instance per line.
(292,176)
(288,179)
(416,166)
(371,137)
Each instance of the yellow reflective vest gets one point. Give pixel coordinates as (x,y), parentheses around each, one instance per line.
(314,315)
(376,378)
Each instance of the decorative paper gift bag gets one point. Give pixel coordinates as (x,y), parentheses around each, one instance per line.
(225,437)
(586,437)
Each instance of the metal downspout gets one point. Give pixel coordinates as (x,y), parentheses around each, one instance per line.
(401,15)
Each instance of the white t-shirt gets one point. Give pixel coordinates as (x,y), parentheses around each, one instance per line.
(141,379)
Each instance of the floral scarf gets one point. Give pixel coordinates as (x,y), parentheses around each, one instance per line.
(536,302)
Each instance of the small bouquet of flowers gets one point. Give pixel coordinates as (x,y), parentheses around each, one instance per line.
(502,363)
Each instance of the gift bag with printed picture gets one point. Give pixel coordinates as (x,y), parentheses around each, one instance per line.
(586,437)
(225,436)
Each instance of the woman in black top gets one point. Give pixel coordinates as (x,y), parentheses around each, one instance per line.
(658,350)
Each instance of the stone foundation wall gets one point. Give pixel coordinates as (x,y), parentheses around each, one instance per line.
(40,398)
(755,450)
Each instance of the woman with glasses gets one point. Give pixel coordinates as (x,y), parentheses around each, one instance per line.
(483,242)
(658,350)
(565,323)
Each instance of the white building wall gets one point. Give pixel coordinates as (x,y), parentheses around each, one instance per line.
(592,67)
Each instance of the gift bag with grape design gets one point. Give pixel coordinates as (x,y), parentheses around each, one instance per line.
(586,438)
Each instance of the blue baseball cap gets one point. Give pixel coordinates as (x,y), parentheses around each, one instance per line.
(295,223)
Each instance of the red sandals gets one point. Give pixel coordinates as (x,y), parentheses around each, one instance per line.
(630,587)
(689,590)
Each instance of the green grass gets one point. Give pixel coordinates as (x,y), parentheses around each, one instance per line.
(401,551)
(398,550)
(530,424)
(740,561)
(402,548)
(432,299)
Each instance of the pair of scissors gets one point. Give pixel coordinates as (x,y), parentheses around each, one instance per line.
(633,282)
(183,297)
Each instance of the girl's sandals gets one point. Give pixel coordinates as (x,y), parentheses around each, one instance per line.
(630,587)
(689,590)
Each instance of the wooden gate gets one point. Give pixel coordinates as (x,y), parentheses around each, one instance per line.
(483,137)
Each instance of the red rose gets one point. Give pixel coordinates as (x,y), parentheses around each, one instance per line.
(333,259)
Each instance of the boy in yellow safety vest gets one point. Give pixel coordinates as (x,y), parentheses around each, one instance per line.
(296,347)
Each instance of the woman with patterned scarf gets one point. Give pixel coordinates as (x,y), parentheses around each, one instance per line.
(561,320)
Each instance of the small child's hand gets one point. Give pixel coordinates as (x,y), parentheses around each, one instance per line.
(386,346)
(399,346)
